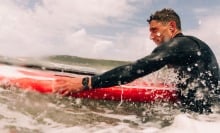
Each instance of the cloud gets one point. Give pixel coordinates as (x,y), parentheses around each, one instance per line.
(126,45)
(79,12)
(134,44)
(48,27)
(54,26)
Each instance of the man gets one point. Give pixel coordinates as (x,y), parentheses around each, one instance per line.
(194,61)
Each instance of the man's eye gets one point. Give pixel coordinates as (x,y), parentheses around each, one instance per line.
(154,31)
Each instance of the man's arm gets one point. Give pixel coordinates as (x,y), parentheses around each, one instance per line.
(117,76)
(178,51)
(127,73)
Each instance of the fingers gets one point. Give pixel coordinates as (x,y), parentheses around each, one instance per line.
(63,92)
(61,89)
(60,86)
(66,91)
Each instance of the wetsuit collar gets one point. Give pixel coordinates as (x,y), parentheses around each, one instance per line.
(178,35)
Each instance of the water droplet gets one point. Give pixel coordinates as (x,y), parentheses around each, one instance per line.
(199,53)
(139,71)
(158,34)
(189,69)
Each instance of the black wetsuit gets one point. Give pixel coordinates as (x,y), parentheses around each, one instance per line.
(194,62)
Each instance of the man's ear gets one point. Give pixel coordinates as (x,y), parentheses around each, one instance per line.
(172,26)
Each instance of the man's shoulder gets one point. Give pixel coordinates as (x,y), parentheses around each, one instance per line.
(183,37)
(183,43)
(186,39)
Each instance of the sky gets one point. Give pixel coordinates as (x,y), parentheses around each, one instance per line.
(104,29)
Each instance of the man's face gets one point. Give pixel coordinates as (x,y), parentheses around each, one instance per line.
(160,32)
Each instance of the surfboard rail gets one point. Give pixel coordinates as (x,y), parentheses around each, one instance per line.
(44,81)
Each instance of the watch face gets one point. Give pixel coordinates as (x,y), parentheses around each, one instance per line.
(85,83)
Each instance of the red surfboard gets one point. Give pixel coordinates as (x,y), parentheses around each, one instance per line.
(44,82)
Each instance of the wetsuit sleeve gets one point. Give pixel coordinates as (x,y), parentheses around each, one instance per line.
(127,73)
(180,51)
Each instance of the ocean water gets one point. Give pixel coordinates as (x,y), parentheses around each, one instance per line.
(31,112)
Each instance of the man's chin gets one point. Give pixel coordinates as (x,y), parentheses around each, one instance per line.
(157,43)
(166,39)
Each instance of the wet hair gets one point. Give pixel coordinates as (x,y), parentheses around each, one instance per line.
(166,15)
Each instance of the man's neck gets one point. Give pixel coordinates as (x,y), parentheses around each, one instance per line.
(176,33)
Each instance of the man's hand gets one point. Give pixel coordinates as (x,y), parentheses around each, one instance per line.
(67,85)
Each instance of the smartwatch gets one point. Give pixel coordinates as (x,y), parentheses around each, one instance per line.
(85,83)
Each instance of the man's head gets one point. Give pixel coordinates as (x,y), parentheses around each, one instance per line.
(164,25)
